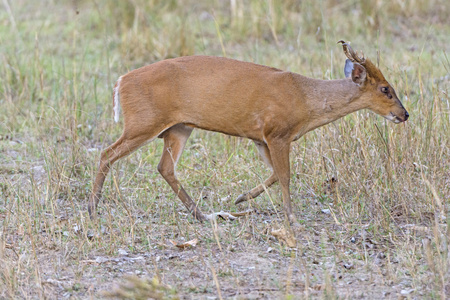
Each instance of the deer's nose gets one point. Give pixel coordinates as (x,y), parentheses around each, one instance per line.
(406,116)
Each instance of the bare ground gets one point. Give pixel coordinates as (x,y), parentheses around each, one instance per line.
(59,257)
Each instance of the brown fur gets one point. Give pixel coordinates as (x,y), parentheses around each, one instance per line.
(170,98)
(373,71)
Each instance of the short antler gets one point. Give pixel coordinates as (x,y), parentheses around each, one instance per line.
(351,54)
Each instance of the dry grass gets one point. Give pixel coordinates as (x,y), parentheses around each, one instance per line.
(381,232)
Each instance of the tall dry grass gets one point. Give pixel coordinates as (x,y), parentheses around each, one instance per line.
(59,61)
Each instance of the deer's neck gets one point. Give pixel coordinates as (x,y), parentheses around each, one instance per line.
(329,100)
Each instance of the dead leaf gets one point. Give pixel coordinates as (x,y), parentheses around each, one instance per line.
(226,216)
(242,213)
(221,214)
(285,237)
(191,243)
(229,216)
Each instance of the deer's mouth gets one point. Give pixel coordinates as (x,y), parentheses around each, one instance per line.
(396,119)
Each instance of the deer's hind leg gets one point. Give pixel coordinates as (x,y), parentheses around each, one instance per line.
(130,140)
(125,145)
(256,191)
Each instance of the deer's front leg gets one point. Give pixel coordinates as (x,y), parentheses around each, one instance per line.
(279,150)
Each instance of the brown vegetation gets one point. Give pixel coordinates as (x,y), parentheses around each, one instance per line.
(371,196)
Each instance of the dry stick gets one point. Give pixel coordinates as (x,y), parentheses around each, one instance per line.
(437,200)
(37,272)
(271,202)
(216,281)
(426,243)
(384,141)
(289,275)
(216,237)
(123,203)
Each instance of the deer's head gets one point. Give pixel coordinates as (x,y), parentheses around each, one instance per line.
(379,94)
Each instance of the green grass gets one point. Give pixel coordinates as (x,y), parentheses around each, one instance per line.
(389,216)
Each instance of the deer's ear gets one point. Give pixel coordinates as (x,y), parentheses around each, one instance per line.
(358,74)
(348,68)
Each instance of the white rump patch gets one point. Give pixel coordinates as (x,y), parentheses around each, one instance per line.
(117,100)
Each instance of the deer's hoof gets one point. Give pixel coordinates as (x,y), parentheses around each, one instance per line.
(200,217)
(241,198)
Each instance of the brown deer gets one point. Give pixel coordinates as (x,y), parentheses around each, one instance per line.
(273,108)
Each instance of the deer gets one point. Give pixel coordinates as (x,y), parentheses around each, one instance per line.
(273,108)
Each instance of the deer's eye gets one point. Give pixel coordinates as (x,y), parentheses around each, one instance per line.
(385,89)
